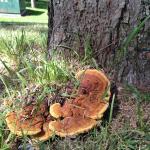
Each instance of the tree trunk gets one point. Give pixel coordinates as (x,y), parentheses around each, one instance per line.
(33,3)
(107,23)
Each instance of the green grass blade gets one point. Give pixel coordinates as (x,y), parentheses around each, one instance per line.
(111,109)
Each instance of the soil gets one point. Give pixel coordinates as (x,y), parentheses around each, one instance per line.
(126,111)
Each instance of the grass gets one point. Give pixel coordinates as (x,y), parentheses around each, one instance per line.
(127,139)
(15,44)
(29,74)
(33,15)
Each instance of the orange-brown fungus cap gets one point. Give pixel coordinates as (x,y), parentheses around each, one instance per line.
(70,108)
(95,110)
(71,126)
(45,134)
(24,126)
(28,121)
(55,110)
(81,106)
(92,82)
(34,109)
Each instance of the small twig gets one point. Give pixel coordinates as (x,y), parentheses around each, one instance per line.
(77,106)
(98,52)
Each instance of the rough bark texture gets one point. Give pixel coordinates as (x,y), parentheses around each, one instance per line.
(107,23)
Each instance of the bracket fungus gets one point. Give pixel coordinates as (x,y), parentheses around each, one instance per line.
(80,114)
(92,82)
(31,120)
(45,134)
(20,125)
(70,126)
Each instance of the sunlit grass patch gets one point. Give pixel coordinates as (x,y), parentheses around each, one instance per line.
(32,15)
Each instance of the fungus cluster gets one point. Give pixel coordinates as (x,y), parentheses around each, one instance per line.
(75,116)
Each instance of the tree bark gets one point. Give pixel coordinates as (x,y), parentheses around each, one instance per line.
(107,23)
(33,3)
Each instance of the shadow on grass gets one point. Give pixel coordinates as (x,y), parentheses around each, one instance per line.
(30,12)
